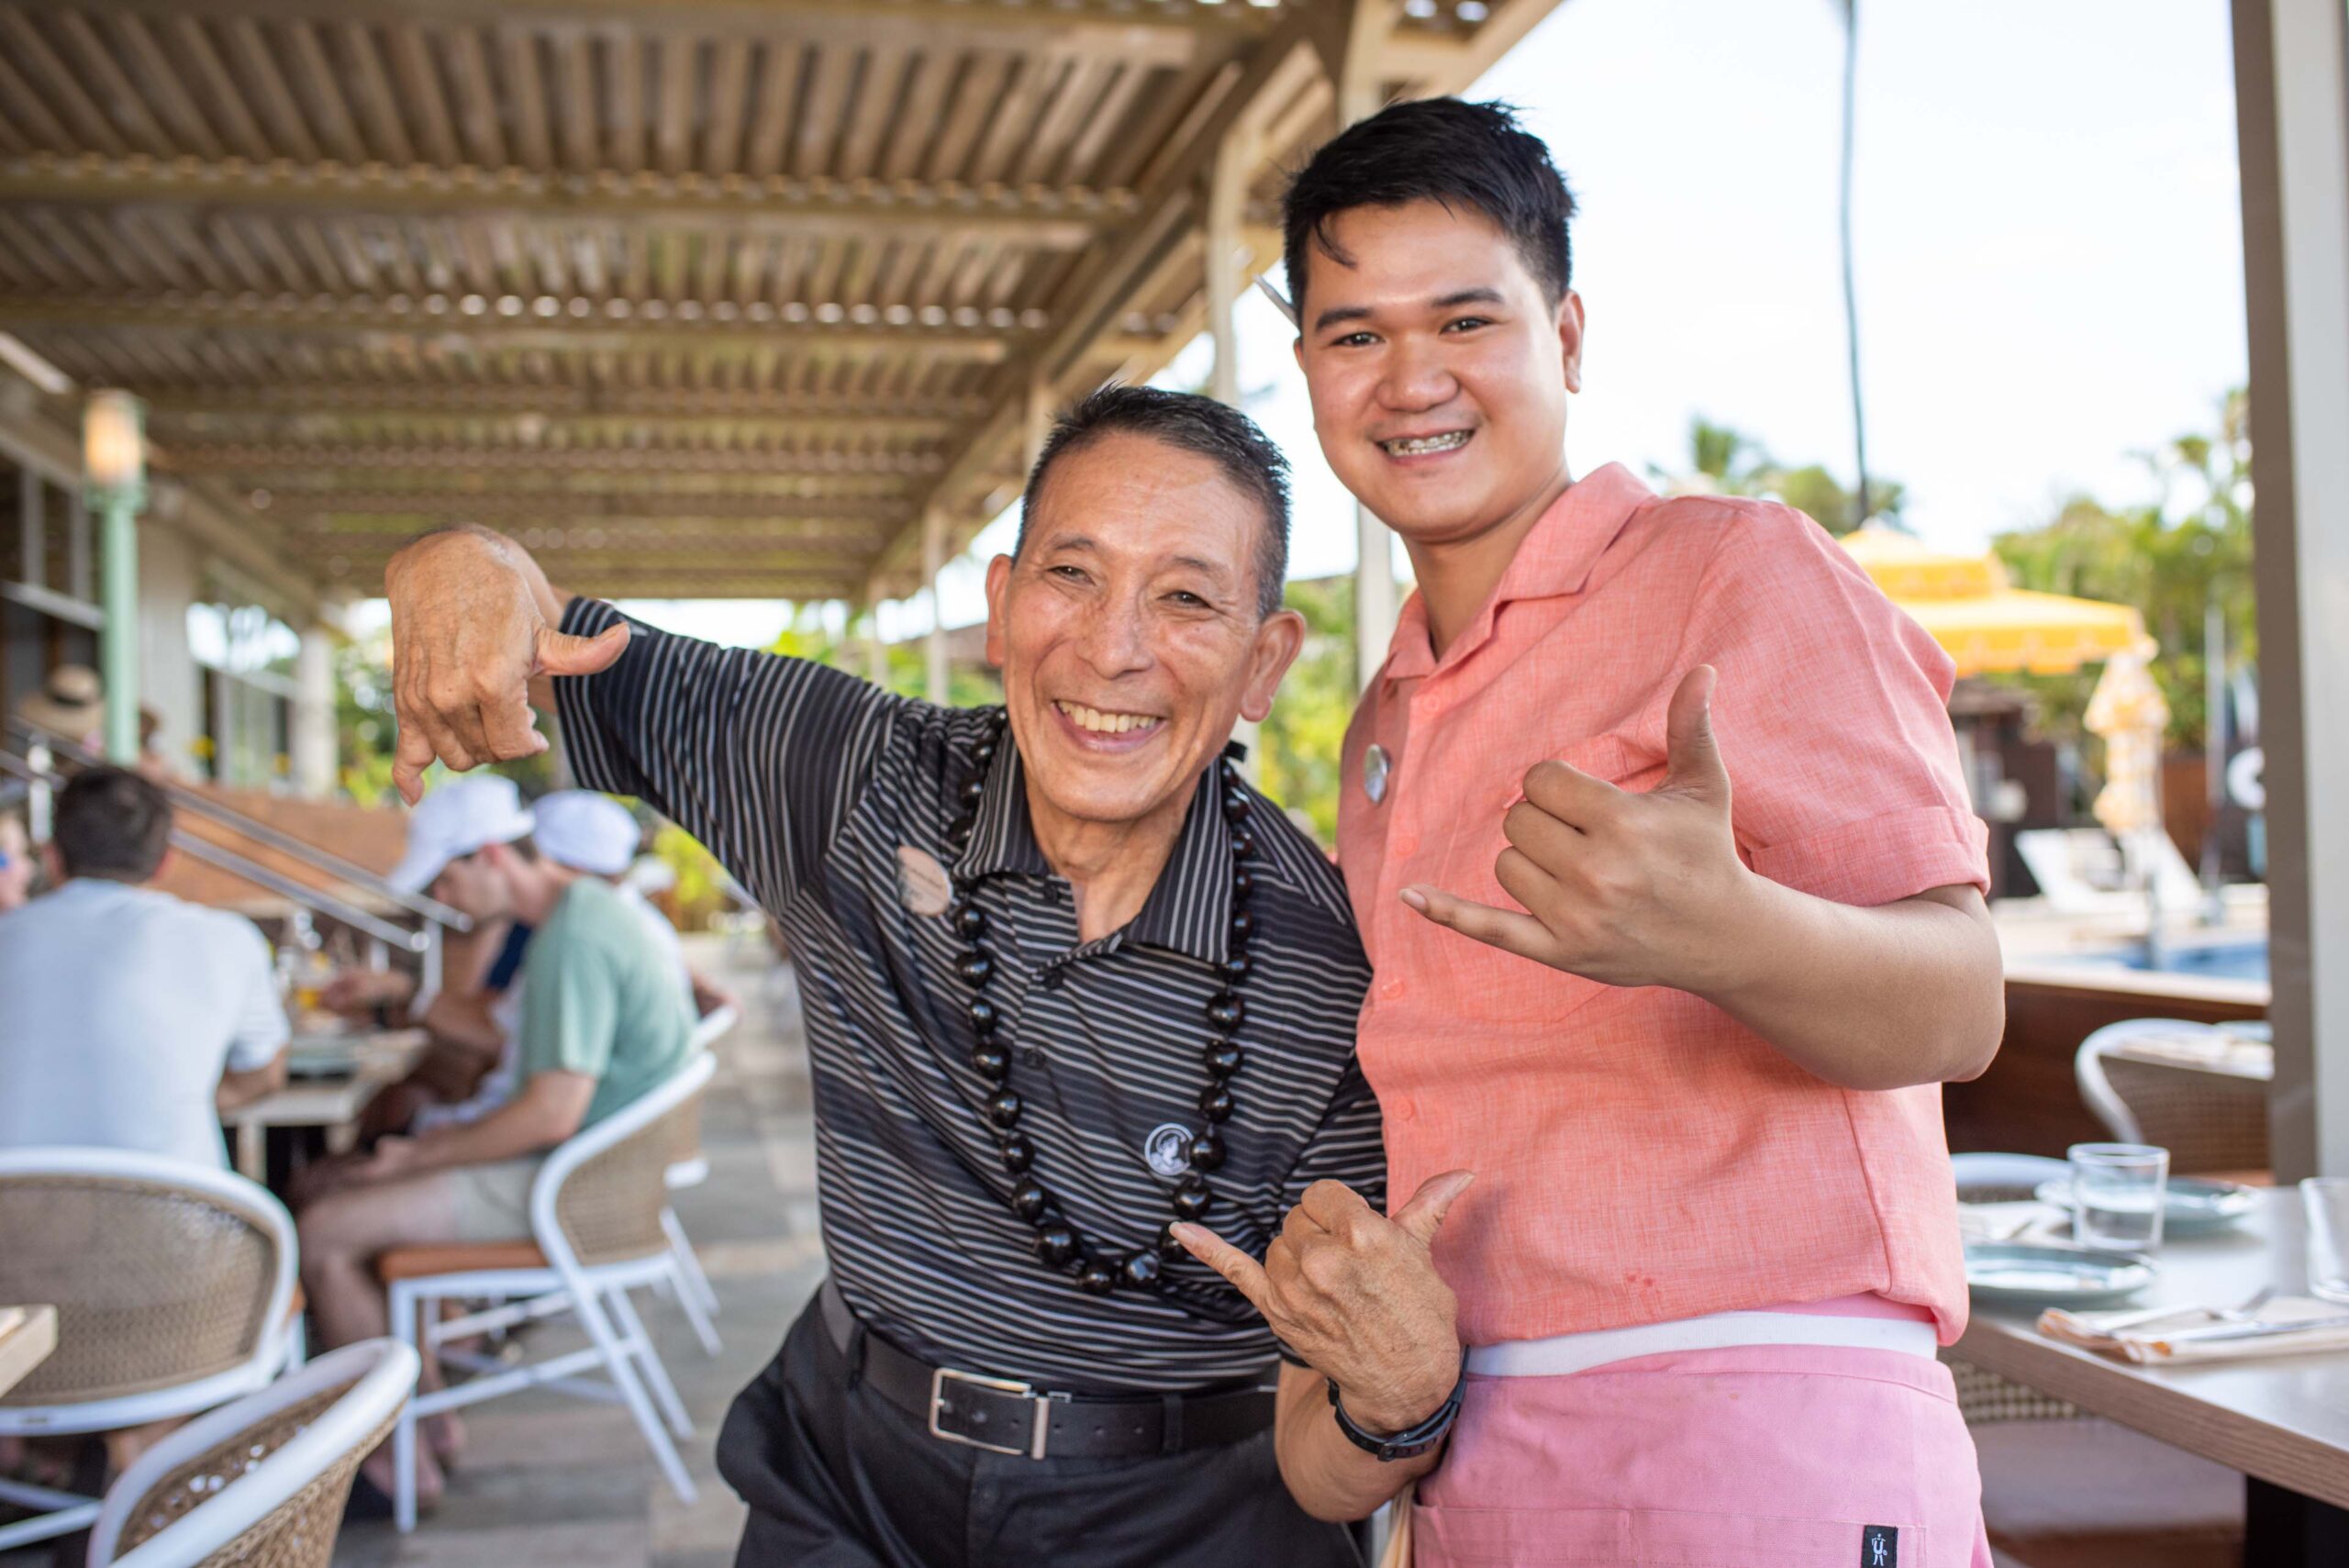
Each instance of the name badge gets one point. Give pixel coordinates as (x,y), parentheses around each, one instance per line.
(1375,767)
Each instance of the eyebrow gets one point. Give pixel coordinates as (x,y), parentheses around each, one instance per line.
(1336,314)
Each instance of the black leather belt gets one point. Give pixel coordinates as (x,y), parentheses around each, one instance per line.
(1003,1416)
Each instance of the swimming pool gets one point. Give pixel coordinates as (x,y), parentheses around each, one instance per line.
(2212,960)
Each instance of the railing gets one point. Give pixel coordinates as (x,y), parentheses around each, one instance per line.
(435,918)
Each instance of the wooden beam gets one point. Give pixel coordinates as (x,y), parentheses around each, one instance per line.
(1161,32)
(187,423)
(257,459)
(655,541)
(1058,218)
(326,510)
(374,400)
(407,325)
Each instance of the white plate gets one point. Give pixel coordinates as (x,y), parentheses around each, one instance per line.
(2028,1275)
(2194,1205)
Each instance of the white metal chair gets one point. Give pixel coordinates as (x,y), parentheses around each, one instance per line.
(2208,1120)
(173,1284)
(689,1167)
(259,1483)
(596,1223)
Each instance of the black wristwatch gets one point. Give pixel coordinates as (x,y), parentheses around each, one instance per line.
(1413,1441)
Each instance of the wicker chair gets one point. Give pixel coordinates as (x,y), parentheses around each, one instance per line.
(173,1284)
(260,1483)
(597,1234)
(688,1167)
(2208,1120)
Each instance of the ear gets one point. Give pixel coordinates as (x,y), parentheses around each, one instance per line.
(1570,339)
(1297,347)
(163,866)
(1278,643)
(998,597)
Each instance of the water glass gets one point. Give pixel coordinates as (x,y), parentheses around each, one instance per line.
(2118,1191)
(2326,1201)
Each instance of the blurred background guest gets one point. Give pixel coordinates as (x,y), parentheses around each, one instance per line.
(16,863)
(129,1018)
(596,834)
(70,705)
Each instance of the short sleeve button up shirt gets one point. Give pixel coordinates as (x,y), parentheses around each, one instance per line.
(1641,1156)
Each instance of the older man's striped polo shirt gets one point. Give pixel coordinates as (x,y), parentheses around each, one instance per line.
(806,783)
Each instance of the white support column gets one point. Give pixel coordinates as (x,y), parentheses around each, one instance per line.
(876,657)
(1375,600)
(1227,199)
(2292,123)
(933,562)
(314,727)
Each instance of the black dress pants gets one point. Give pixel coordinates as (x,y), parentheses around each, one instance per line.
(837,1477)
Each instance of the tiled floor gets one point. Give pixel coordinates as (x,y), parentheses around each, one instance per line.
(560,1482)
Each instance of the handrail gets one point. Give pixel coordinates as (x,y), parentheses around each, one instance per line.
(261,832)
(277,881)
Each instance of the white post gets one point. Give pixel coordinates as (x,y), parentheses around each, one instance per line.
(2292,126)
(1375,598)
(1227,194)
(314,727)
(933,562)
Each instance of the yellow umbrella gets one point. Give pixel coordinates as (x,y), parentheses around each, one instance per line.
(1965,604)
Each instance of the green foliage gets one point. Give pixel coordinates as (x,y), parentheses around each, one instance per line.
(1725,461)
(1299,745)
(2171,559)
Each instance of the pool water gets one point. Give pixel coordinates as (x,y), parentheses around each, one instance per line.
(2217,960)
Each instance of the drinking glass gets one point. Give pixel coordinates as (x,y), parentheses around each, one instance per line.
(2118,1191)
(2326,1200)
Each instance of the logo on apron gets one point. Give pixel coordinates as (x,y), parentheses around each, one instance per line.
(1879,1547)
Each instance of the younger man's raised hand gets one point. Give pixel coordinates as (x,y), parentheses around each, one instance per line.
(1624,888)
(1356,1296)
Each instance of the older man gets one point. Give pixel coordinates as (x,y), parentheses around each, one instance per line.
(1068,978)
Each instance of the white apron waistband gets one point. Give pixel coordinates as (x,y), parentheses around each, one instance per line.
(1563,1353)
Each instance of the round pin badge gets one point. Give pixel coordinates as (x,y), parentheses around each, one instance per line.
(1168,1148)
(1376,766)
(923,885)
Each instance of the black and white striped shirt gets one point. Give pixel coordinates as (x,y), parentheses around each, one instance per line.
(806,782)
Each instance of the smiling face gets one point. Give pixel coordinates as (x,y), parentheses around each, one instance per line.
(1439,372)
(1128,633)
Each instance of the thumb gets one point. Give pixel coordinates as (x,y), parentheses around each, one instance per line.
(560,653)
(1424,1214)
(1693,758)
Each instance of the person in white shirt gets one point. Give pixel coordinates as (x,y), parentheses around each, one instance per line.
(129,1018)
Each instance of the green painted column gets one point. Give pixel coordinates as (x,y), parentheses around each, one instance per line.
(118,645)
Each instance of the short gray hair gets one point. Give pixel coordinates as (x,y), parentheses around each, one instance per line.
(1190,423)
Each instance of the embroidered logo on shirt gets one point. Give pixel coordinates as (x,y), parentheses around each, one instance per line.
(1879,1546)
(1168,1148)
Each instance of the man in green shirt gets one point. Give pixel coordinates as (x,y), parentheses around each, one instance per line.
(603,1021)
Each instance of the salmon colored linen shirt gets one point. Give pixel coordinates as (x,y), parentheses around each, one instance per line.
(1640,1155)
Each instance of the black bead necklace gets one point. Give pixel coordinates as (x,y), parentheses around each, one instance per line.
(1058,1245)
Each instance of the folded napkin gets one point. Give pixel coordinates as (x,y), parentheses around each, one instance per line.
(2022,1220)
(2178,1337)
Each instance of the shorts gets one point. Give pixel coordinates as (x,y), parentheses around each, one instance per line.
(493,1201)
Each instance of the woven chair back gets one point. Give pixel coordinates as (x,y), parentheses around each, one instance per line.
(155,1285)
(610,1207)
(685,1133)
(300,1531)
(2208,1121)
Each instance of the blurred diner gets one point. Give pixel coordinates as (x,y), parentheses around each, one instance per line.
(602,1018)
(131,1019)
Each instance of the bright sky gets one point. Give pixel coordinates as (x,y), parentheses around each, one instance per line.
(2048,239)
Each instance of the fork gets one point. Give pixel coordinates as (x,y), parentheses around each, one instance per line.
(2144,1316)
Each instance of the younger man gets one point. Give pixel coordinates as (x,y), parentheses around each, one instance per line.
(1691,1045)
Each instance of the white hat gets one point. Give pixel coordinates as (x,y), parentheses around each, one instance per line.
(585,832)
(461,816)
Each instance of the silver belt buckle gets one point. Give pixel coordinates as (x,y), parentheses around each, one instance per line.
(1039,1403)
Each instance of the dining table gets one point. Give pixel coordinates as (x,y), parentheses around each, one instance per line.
(2282,1420)
(332,1075)
(28,1335)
